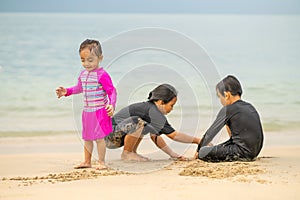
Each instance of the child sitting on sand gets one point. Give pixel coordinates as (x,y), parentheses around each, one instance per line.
(242,122)
(99,101)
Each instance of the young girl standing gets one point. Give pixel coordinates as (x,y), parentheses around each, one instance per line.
(99,101)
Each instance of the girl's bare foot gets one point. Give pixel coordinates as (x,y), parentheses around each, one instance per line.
(148,159)
(101,166)
(82,165)
(130,156)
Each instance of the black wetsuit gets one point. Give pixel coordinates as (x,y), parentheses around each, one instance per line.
(155,121)
(135,116)
(246,138)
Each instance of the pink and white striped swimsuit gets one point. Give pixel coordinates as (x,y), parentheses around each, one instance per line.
(98,91)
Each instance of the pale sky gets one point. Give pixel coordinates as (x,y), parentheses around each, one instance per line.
(154,6)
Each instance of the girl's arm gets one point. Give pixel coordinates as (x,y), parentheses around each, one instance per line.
(184,138)
(61,91)
(109,88)
(160,143)
(75,89)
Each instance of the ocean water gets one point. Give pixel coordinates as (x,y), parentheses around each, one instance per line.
(192,52)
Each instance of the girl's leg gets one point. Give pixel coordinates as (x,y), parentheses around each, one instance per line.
(88,149)
(135,146)
(101,148)
(131,143)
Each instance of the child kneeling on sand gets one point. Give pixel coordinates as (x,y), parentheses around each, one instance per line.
(242,122)
(134,121)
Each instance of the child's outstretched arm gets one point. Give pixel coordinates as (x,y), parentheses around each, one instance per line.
(61,91)
(184,138)
(214,129)
(160,143)
(75,89)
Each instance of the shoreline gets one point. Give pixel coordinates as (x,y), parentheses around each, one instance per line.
(71,142)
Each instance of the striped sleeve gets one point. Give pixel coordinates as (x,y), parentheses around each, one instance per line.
(109,88)
(75,89)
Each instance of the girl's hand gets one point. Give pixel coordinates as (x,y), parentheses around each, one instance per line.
(110,110)
(61,91)
(179,158)
(195,156)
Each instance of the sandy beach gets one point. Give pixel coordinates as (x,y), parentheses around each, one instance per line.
(41,168)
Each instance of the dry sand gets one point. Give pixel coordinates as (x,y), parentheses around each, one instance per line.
(45,175)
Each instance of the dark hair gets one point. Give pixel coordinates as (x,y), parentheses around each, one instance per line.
(164,92)
(93,45)
(230,84)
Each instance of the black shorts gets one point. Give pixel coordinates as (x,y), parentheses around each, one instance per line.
(127,126)
(227,151)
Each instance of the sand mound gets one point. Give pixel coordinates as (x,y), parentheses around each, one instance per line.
(221,170)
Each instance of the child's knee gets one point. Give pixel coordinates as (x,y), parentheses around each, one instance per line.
(203,152)
(100,141)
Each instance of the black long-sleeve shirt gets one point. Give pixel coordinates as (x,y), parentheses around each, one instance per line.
(148,112)
(244,122)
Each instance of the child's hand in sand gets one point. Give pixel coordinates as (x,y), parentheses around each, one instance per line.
(195,156)
(61,91)
(180,158)
(110,110)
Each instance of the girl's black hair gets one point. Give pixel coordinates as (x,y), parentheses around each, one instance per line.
(230,84)
(93,45)
(164,92)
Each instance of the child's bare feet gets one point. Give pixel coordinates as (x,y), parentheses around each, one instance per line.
(147,159)
(101,166)
(82,165)
(130,156)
